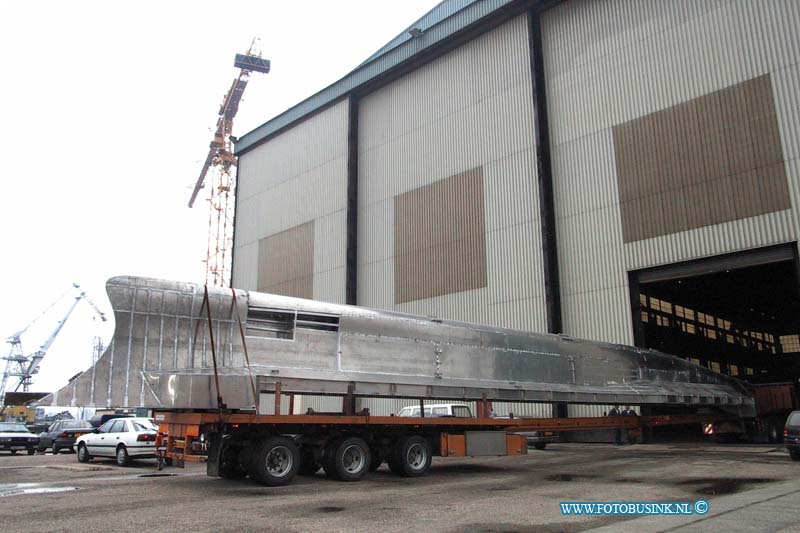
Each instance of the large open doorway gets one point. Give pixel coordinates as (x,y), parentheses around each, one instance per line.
(737,314)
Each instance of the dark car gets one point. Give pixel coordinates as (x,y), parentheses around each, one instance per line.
(540,439)
(61,435)
(15,437)
(791,435)
(98,420)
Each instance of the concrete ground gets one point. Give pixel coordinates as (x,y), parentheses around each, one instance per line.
(748,487)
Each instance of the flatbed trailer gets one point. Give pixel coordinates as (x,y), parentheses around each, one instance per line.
(272,449)
(209,360)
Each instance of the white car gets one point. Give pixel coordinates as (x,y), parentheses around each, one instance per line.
(15,437)
(455,410)
(120,438)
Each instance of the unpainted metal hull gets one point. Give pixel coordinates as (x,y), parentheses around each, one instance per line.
(161,357)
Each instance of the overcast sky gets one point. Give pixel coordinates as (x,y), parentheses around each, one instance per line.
(108,112)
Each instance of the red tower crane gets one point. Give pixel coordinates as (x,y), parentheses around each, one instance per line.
(220,169)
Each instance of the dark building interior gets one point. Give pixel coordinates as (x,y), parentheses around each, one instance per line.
(741,322)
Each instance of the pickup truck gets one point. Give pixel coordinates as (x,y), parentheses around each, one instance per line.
(536,439)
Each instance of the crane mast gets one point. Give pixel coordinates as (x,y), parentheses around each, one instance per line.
(23,367)
(36,357)
(219,168)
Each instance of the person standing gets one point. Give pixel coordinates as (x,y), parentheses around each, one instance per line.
(617,432)
(629,411)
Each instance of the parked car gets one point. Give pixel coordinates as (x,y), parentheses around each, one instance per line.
(61,435)
(14,436)
(791,435)
(457,410)
(540,439)
(123,439)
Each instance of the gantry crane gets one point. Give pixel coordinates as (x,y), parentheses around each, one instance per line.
(220,166)
(21,367)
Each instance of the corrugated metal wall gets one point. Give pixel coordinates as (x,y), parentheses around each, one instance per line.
(297,177)
(610,62)
(470,108)
(575,410)
(390,406)
(301,404)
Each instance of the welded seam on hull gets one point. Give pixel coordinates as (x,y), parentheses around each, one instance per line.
(177,323)
(230,332)
(130,348)
(192,338)
(161,332)
(219,331)
(144,349)
(110,372)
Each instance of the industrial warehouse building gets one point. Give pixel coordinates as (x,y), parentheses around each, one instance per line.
(617,170)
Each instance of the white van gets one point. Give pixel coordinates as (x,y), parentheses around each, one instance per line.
(456,410)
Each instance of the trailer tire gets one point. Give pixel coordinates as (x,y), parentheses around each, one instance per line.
(411,456)
(540,445)
(275,461)
(347,459)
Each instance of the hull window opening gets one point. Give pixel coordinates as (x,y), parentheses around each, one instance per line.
(270,323)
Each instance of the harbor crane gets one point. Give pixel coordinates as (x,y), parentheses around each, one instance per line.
(220,169)
(20,368)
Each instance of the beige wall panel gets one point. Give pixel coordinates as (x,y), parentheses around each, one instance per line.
(298,177)
(742,163)
(610,63)
(440,238)
(471,108)
(286,262)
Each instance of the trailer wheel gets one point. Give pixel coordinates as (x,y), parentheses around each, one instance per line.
(795,456)
(275,461)
(411,457)
(347,459)
(309,465)
(540,445)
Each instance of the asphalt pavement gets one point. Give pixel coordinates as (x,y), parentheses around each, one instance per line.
(748,488)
